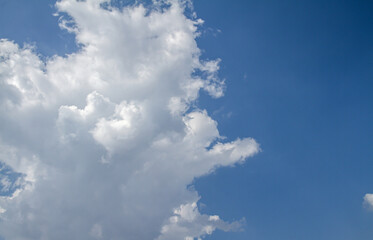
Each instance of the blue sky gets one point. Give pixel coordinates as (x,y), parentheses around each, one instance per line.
(298,80)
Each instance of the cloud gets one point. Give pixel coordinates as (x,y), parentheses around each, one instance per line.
(368,200)
(189,223)
(106,139)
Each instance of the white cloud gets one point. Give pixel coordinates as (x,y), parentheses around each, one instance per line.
(368,200)
(107,137)
(189,223)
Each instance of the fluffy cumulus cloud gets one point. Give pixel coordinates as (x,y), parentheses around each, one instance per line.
(104,142)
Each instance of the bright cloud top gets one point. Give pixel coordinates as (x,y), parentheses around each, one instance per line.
(106,140)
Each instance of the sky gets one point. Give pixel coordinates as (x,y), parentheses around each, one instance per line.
(150,123)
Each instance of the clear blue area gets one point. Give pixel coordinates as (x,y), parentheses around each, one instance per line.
(13,179)
(299,80)
(32,22)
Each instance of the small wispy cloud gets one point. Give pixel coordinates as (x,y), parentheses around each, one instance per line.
(368,200)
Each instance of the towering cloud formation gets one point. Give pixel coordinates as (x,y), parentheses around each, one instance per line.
(105,141)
